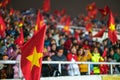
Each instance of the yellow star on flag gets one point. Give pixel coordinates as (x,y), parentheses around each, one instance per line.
(34,58)
(112,27)
(66,28)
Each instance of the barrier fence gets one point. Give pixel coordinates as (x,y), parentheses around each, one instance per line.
(65,62)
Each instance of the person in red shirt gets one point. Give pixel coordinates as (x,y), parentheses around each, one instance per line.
(73,69)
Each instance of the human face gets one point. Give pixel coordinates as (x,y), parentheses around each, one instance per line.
(73,50)
(60,52)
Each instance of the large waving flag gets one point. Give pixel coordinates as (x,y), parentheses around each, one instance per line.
(39,22)
(20,39)
(2,27)
(32,53)
(46,6)
(112,34)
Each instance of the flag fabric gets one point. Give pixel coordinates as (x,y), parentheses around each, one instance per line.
(104,11)
(91,7)
(11,11)
(46,6)
(92,14)
(20,39)
(5,3)
(92,10)
(67,25)
(2,27)
(63,11)
(104,53)
(31,57)
(100,33)
(112,34)
(63,19)
(88,27)
(39,22)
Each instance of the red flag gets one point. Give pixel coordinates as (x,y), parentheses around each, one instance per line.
(88,27)
(63,11)
(32,53)
(104,53)
(91,7)
(20,39)
(92,14)
(11,11)
(2,27)
(39,22)
(112,34)
(86,18)
(104,11)
(92,10)
(67,24)
(46,6)
(100,33)
(63,19)
(57,13)
(5,3)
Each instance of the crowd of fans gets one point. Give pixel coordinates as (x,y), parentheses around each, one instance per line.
(59,45)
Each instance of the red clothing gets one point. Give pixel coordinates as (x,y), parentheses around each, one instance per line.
(70,56)
(86,46)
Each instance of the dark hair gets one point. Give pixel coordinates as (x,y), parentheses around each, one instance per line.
(59,48)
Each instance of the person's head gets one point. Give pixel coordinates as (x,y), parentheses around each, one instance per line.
(59,51)
(53,47)
(86,42)
(5,57)
(118,50)
(112,52)
(95,50)
(73,49)
(80,51)
(47,58)
(52,41)
(61,42)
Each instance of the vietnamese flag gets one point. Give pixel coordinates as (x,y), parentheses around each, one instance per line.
(92,10)
(20,39)
(46,6)
(31,57)
(91,7)
(112,34)
(104,11)
(39,22)
(100,33)
(67,24)
(2,27)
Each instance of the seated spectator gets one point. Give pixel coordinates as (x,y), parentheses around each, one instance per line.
(73,69)
(96,58)
(59,56)
(83,56)
(47,68)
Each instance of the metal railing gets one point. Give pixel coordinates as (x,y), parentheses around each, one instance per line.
(66,62)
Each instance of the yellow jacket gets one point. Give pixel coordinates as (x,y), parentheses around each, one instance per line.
(84,58)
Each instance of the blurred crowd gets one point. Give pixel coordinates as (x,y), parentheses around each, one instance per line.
(59,45)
